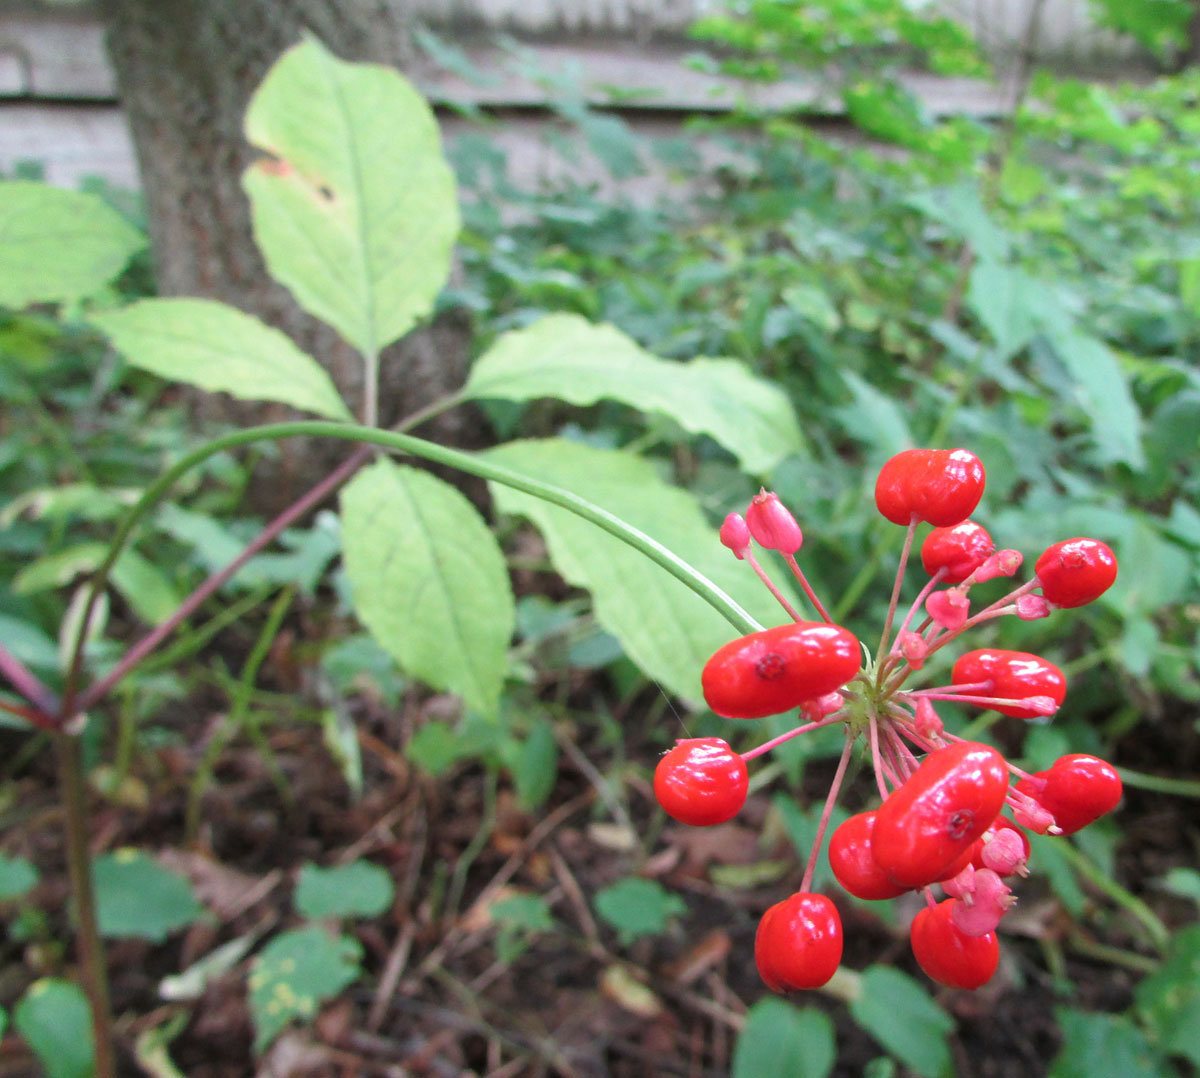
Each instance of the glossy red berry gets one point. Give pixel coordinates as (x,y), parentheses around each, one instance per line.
(948,955)
(1076,571)
(1077,790)
(959,550)
(772,525)
(940,486)
(932,820)
(777,669)
(701,782)
(798,943)
(1014,675)
(853,864)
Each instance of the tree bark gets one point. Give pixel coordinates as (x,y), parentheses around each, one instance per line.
(185,72)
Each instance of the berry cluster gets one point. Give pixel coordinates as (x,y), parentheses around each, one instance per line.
(942,817)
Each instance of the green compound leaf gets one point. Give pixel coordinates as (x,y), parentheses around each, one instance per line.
(17,875)
(1169,1000)
(56,1022)
(296,972)
(1103,1046)
(58,245)
(663,626)
(785,1040)
(219,348)
(355,208)
(567,357)
(428,580)
(899,1014)
(359,889)
(137,897)
(637,907)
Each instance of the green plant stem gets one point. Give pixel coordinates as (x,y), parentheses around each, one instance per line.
(1159,934)
(93,970)
(1158,784)
(402,443)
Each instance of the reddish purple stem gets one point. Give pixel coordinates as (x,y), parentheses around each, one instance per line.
(217,580)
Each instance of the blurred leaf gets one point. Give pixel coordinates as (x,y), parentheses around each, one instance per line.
(567,357)
(219,348)
(358,889)
(145,587)
(1184,882)
(875,418)
(355,207)
(526,912)
(17,875)
(435,748)
(780,1039)
(137,897)
(534,765)
(58,245)
(1169,1000)
(1046,857)
(663,626)
(898,1013)
(1104,395)
(636,907)
(56,1022)
(428,580)
(295,973)
(1102,1046)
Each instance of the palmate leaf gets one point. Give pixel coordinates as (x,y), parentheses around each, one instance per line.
(355,208)
(58,245)
(663,626)
(568,357)
(219,348)
(428,580)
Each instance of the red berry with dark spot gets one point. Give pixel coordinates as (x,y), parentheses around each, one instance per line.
(940,486)
(959,550)
(948,955)
(777,669)
(1077,790)
(1076,571)
(933,819)
(1014,675)
(853,864)
(798,943)
(701,782)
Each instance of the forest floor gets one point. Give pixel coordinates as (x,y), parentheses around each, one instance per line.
(437,1000)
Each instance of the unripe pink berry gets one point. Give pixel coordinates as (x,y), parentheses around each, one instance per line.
(948,608)
(927,723)
(1032,607)
(772,526)
(821,706)
(962,884)
(979,912)
(912,647)
(1002,563)
(1004,852)
(735,535)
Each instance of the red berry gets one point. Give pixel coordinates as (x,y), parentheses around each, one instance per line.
(1014,675)
(1077,790)
(960,550)
(773,527)
(701,782)
(853,864)
(774,670)
(933,819)
(940,486)
(798,943)
(1076,571)
(948,955)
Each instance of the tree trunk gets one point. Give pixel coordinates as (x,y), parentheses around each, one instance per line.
(185,71)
